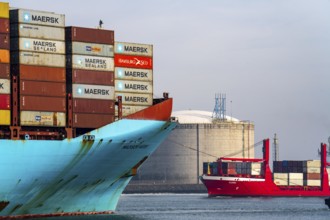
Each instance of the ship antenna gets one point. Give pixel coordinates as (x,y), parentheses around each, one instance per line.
(276,149)
(100,24)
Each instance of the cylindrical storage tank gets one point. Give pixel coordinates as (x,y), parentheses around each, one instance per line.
(197,139)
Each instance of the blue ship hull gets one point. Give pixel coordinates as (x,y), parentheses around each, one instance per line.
(75,175)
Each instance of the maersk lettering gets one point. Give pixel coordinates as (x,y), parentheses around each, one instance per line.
(95,63)
(136,74)
(135,86)
(45,19)
(97,91)
(44,46)
(136,49)
(136,99)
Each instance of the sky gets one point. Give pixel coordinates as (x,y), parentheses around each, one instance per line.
(270,58)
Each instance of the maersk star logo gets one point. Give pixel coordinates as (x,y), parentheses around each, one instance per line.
(27,44)
(120,73)
(120,85)
(120,48)
(79,91)
(26,17)
(79,62)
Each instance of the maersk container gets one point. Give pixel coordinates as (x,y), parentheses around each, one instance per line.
(82,48)
(5,117)
(41,103)
(4,70)
(4,41)
(313,182)
(4,56)
(94,106)
(39,88)
(4,25)
(89,35)
(130,109)
(90,62)
(4,102)
(37,17)
(133,86)
(4,86)
(80,76)
(136,99)
(39,32)
(313,163)
(41,73)
(38,59)
(313,170)
(93,92)
(133,49)
(122,73)
(81,120)
(37,118)
(4,10)
(37,45)
(296,179)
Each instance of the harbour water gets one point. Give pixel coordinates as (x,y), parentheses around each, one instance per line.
(200,206)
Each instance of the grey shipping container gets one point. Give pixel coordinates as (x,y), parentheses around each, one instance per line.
(133,74)
(93,91)
(38,59)
(38,45)
(133,86)
(82,48)
(90,62)
(34,31)
(133,49)
(37,17)
(136,99)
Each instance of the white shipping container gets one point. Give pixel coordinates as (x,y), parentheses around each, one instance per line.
(128,110)
(90,62)
(255,165)
(37,45)
(134,49)
(135,98)
(133,86)
(104,50)
(281,179)
(313,163)
(37,17)
(313,170)
(313,182)
(133,74)
(93,92)
(296,176)
(38,59)
(4,86)
(294,182)
(34,31)
(35,118)
(256,171)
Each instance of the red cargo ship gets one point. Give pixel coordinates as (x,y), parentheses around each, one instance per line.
(263,185)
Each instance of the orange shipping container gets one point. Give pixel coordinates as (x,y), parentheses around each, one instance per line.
(39,73)
(53,89)
(39,103)
(4,56)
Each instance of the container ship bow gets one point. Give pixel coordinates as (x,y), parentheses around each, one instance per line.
(77,115)
(253,177)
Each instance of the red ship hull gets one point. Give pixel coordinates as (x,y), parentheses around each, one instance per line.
(235,185)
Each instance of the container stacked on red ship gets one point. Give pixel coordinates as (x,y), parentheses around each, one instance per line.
(134,76)
(90,76)
(4,65)
(38,61)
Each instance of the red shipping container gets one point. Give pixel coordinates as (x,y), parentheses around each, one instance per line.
(89,35)
(140,62)
(37,88)
(94,106)
(4,25)
(4,41)
(4,70)
(40,73)
(80,76)
(91,120)
(4,102)
(39,103)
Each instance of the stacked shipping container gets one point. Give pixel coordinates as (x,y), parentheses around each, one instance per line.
(134,76)
(90,76)
(4,65)
(297,173)
(38,61)
(233,168)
